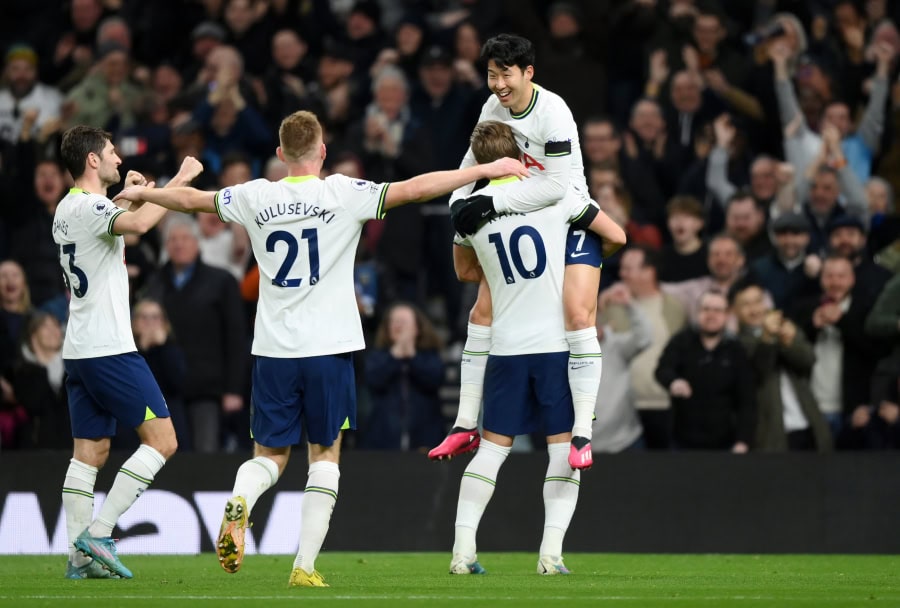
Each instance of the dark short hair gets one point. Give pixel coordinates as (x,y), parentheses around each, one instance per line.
(652,257)
(685,204)
(77,143)
(508,50)
(748,281)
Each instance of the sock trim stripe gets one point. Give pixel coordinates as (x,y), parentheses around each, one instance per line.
(585,355)
(259,464)
(480,478)
(568,479)
(78,492)
(321,490)
(134,475)
(477,353)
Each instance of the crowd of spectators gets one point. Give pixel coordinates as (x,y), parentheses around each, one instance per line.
(748,147)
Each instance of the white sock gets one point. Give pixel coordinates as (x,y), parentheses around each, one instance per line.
(78,502)
(475,491)
(560,497)
(585,368)
(471,375)
(318,503)
(133,478)
(253,478)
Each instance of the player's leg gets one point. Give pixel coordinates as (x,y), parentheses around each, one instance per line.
(126,386)
(328,408)
(274,426)
(464,437)
(580,289)
(91,429)
(254,477)
(319,498)
(506,399)
(561,481)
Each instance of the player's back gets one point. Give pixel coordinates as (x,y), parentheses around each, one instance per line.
(93,263)
(546,128)
(523,258)
(304,232)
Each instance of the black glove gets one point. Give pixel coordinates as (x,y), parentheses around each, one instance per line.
(468,214)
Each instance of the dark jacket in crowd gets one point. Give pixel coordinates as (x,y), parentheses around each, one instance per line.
(406,410)
(47,426)
(769,360)
(722,407)
(207,318)
(783,284)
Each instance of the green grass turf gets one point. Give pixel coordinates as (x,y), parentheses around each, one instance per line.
(372,580)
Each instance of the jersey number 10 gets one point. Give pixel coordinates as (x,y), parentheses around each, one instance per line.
(541,253)
(311,236)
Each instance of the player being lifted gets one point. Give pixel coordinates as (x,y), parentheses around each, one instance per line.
(107,380)
(304,232)
(526,386)
(548,143)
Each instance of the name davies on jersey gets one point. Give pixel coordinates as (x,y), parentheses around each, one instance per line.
(299,208)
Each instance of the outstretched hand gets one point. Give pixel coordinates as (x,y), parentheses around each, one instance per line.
(133,194)
(503,167)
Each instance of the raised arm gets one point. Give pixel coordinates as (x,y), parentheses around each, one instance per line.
(430,185)
(872,124)
(147,216)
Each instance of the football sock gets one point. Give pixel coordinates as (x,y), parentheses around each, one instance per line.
(475,491)
(78,502)
(315,514)
(253,478)
(585,368)
(133,478)
(560,496)
(471,375)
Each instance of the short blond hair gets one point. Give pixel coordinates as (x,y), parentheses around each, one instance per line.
(492,140)
(298,134)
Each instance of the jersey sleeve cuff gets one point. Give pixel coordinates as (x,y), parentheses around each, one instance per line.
(112,220)
(218,209)
(380,211)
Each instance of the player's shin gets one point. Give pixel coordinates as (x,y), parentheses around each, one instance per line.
(585,369)
(134,477)
(78,502)
(560,497)
(254,477)
(475,491)
(471,375)
(319,499)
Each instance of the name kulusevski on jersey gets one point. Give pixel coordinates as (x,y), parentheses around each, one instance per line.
(304,232)
(523,259)
(93,263)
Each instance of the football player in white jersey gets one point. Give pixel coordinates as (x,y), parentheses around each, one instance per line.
(107,380)
(548,144)
(304,232)
(526,385)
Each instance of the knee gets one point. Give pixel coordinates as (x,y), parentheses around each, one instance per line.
(166,446)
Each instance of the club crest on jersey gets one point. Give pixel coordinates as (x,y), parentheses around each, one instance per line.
(99,207)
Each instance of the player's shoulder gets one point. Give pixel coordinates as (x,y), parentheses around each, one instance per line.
(492,107)
(549,103)
(344,183)
(254,185)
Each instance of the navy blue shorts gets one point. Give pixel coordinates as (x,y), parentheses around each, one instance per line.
(584,247)
(103,390)
(317,392)
(527,393)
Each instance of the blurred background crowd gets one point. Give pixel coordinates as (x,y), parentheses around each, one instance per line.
(750,148)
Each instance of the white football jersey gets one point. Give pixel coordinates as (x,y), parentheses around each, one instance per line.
(304,232)
(93,263)
(546,120)
(523,258)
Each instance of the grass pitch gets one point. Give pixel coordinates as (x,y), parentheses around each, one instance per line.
(370,580)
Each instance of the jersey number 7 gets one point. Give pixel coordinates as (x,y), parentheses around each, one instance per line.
(311,236)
